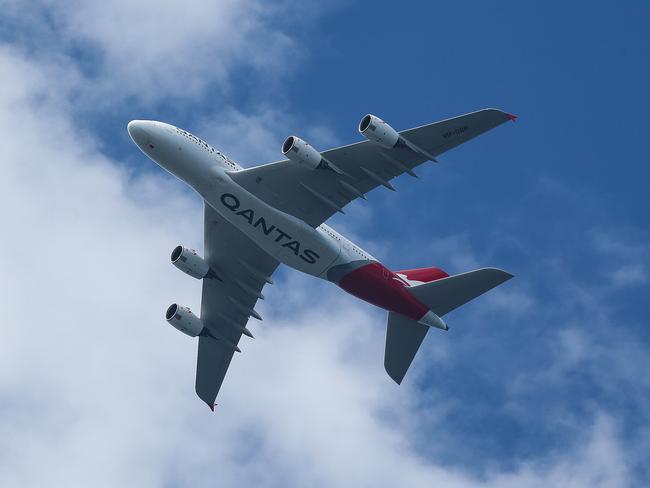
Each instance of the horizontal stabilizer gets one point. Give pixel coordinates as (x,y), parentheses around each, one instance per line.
(444,295)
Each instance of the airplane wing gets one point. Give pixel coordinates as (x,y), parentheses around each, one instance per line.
(227,302)
(316,195)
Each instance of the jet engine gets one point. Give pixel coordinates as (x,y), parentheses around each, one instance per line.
(188,261)
(376,130)
(299,151)
(184,320)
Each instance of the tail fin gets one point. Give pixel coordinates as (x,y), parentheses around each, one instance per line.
(444,295)
(404,336)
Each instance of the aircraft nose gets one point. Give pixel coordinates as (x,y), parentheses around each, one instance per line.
(138,131)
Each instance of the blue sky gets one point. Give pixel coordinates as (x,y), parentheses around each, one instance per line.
(541,382)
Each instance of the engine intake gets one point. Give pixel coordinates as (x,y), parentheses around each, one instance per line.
(297,150)
(188,261)
(184,320)
(376,130)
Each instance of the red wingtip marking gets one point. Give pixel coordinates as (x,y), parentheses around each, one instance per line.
(512,117)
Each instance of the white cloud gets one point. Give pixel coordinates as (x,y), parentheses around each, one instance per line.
(81,297)
(150,51)
(629,275)
(627,258)
(600,462)
(457,251)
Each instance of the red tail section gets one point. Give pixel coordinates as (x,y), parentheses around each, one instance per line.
(425,275)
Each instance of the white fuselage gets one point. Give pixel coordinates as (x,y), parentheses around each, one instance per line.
(288,239)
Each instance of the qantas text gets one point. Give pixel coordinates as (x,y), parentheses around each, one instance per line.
(231,202)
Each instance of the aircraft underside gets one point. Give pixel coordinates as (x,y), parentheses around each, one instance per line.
(259,217)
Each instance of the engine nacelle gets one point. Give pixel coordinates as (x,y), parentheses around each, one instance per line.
(184,320)
(376,130)
(188,261)
(297,150)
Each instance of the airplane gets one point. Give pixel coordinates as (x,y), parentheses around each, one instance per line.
(256,218)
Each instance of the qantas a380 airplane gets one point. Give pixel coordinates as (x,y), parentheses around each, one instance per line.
(256,218)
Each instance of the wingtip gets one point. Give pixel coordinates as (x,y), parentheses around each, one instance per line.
(512,117)
(503,275)
(506,274)
(212,406)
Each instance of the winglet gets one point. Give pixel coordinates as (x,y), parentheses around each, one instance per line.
(512,117)
(212,406)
